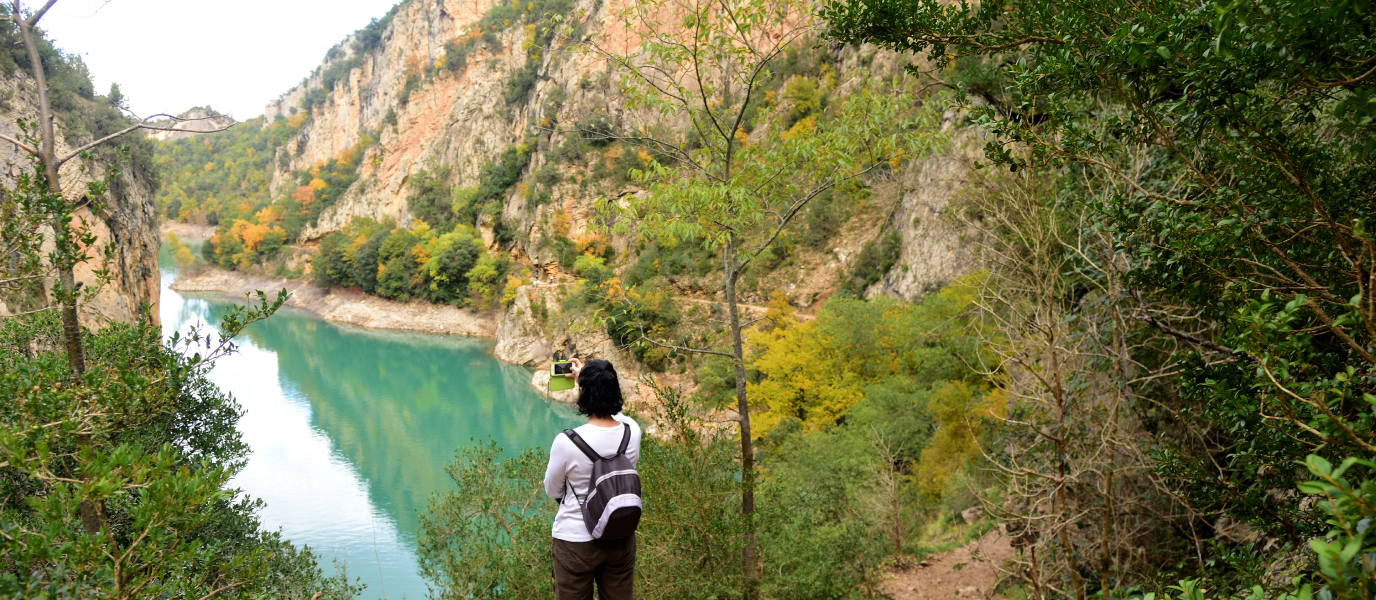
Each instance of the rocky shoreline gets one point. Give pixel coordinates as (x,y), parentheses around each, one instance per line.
(344,306)
(520,340)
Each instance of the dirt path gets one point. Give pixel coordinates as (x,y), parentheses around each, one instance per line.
(937,578)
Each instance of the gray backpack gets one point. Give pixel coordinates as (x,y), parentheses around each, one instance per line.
(611,509)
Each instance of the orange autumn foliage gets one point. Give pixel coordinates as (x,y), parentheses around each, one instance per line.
(250,233)
(267,214)
(304,195)
(594,244)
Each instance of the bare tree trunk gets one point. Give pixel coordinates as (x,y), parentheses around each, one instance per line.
(749,555)
(47,154)
(71,327)
(91,519)
(1106,541)
(1073,458)
(1063,476)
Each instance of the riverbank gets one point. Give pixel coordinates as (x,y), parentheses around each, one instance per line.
(521,340)
(345,306)
(186,230)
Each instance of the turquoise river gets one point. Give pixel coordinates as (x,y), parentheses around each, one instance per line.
(351,429)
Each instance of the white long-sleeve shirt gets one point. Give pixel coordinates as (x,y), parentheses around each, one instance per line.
(568,464)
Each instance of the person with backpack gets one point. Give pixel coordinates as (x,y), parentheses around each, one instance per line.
(591,474)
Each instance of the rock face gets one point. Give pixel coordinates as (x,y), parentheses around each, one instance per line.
(521,337)
(534,328)
(427,117)
(934,247)
(128,218)
(458,119)
(461,119)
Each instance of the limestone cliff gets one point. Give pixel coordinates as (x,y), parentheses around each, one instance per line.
(128,217)
(429,116)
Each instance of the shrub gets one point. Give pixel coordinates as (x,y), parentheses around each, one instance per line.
(408,87)
(366,259)
(521,83)
(452,257)
(489,540)
(549,175)
(804,99)
(873,262)
(829,211)
(586,264)
(655,260)
(394,278)
(431,198)
(484,281)
(494,179)
(652,314)
(494,533)
(596,129)
(142,448)
(573,148)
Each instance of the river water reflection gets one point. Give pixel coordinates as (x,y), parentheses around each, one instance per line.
(351,429)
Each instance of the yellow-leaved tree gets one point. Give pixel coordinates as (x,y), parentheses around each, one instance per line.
(813,371)
(701,63)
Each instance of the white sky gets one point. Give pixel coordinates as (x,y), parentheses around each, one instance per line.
(234,55)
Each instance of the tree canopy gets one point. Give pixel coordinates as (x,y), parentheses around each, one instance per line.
(1238,136)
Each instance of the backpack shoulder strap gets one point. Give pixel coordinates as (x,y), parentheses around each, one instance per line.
(582,445)
(625,439)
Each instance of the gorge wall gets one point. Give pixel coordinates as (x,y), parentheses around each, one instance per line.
(395,91)
(128,217)
(461,120)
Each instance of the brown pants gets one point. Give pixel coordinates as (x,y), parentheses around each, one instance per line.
(609,563)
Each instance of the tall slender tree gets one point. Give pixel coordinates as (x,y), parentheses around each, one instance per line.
(702,65)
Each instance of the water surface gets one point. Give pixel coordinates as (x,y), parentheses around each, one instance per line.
(350,429)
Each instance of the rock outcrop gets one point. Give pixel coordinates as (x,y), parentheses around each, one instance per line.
(522,336)
(935,246)
(194,121)
(128,217)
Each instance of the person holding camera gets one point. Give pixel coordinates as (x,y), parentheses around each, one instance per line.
(591,474)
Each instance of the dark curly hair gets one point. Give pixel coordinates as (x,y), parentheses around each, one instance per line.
(599,392)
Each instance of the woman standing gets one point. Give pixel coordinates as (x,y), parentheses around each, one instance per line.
(579,559)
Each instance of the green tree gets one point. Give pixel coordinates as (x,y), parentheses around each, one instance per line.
(145,443)
(491,540)
(1240,137)
(23,211)
(704,63)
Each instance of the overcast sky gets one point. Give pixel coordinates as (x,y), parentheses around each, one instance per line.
(234,55)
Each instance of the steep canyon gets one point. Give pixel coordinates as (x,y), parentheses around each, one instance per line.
(446,94)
